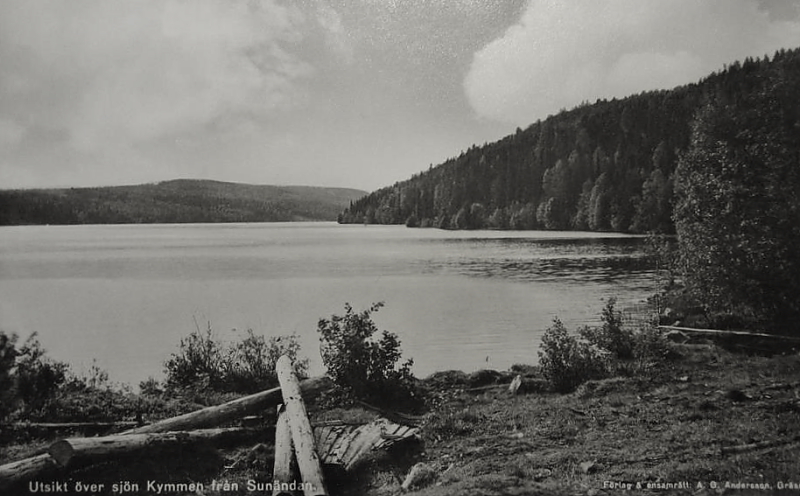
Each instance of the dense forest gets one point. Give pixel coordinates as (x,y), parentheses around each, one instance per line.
(607,166)
(177,201)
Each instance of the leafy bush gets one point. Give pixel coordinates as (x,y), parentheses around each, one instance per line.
(663,252)
(365,368)
(150,387)
(608,350)
(36,388)
(199,361)
(76,402)
(650,347)
(611,337)
(29,380)
(251,362)
(566,361)
(205,363)
(38,378)
(8,356)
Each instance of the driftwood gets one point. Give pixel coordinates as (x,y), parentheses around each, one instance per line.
(216,415)
(302,436)
(743,448)
(284,469)
(28,468)
(86,448)
(73,425)
(732,333)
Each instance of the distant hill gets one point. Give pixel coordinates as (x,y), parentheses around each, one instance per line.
(607,166)
(178,201)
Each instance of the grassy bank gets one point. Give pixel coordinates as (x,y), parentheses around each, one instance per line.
(681,425)
(675,427)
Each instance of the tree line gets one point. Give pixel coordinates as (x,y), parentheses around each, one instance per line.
(737,200)
(607,166)
(178,201)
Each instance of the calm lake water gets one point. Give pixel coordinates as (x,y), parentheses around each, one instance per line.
(124,295)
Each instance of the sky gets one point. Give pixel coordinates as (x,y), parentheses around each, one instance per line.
(345,93)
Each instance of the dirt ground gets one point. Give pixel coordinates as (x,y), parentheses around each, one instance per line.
(712,419)
(710,422)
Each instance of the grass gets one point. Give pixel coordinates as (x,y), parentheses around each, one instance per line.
(666,427)
(628,429)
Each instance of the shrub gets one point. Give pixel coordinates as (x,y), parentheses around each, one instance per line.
(30,382)
(611,337)
(198,362)
(650,347)
(565,361)
(96,378)
(76,402)
(8,356)
(37,376)
(362,367)
(150,387)
(251,362)
(204,363)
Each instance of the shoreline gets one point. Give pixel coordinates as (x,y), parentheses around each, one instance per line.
(680,425)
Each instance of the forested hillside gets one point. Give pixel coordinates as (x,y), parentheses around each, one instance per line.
(605,166)
(173,202)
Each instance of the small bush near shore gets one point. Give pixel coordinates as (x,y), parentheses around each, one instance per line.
(365,368)
(29,378)
(567,361)
(611,337)
(34,387)
(8,355)
(206,364)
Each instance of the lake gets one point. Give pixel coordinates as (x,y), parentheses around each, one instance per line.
(124,295)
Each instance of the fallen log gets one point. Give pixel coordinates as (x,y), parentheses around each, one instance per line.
(742,448)
(22,470)
(283,472)
(732,333)
(87,448)
(73,425)
(302,436)
(12,473)
(216,415)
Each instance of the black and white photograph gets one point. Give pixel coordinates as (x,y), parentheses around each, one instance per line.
(389,247)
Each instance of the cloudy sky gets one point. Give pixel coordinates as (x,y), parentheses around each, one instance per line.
(354,93)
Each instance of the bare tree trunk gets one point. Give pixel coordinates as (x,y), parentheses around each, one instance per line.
(219,414)
(65,450)
(19,471)
(284,470)
(732,333)
(302,435)
(73,425)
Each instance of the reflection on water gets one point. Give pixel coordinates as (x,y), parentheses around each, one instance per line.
(565,261)
(457,299)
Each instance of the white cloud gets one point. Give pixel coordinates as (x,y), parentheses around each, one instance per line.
(114,75)
(336,37)
(562,53)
